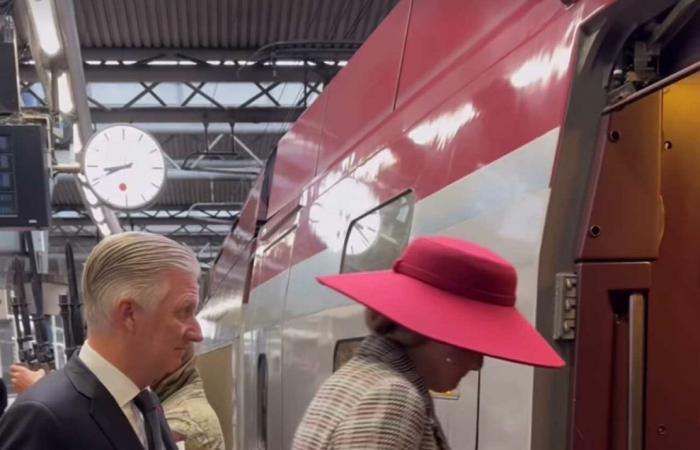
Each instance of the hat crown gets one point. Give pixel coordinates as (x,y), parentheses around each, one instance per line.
(460,267)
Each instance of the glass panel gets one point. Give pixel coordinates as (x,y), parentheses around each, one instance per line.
(376,239)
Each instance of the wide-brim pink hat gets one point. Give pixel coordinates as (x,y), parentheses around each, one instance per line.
(455,292)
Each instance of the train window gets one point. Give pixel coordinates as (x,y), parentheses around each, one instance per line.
(262,402)
(377,238)
(344,350)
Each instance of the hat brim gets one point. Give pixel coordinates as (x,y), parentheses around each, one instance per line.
(497,331)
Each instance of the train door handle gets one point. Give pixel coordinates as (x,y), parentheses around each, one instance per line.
(635,372)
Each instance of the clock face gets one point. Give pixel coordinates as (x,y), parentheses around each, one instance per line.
(124,166)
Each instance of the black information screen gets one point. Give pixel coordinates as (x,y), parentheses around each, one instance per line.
(24,177)
(8,190)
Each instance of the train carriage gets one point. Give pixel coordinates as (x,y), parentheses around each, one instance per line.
(562,135)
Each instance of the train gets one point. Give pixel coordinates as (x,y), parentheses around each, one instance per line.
(560,134)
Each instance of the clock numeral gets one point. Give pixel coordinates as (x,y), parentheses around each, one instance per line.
(106,136)
(123,134)
(157,167)
(155,185)
(140,137)
(153,151)
(92,165)
(143,197)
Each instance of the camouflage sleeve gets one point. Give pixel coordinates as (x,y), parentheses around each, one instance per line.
(199,424)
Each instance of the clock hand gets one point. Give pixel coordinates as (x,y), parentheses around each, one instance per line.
(110,170)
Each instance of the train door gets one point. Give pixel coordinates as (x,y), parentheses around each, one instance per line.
(673,338)
(262,346)
(252,435)
(261,398)
(638,342)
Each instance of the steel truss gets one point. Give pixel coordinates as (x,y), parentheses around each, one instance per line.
(202,227)
(265,76)
(191,73)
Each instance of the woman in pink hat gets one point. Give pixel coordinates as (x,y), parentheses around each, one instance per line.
(445,305)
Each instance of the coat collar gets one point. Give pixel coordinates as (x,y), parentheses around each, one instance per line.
(103,408)
(393,354)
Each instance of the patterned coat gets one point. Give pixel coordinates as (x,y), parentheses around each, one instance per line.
(377,401)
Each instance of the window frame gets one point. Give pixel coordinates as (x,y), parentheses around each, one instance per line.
(409,193)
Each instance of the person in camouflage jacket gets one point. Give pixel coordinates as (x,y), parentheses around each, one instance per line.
(187,410)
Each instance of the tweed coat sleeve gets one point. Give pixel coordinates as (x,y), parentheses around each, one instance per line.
(392,415)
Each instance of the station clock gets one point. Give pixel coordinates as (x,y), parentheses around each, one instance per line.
(124,167)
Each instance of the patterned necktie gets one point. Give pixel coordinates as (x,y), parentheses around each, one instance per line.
(148,405)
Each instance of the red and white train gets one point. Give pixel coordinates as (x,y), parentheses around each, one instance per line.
(562,135)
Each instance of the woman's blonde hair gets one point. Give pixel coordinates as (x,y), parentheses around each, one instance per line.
(131,265)
(383,326)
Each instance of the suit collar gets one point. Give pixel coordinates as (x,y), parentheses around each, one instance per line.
(103,408)
(120,386)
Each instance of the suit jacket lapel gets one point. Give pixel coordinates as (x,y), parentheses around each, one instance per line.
(103,408)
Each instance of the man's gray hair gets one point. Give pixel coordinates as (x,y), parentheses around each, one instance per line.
(131,265)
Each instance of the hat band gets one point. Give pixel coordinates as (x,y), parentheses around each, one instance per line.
(445,284)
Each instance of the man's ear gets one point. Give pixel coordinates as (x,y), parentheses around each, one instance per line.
(125,314)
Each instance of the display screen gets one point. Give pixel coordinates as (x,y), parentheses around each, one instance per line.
(5,162)
(6,181)
(25,201)
(8,204)
(8,194)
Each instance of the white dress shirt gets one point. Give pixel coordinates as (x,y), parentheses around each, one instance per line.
(121,387)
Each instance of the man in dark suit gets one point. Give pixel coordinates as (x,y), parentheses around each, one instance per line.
(141,293)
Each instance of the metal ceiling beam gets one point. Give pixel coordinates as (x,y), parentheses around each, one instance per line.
(202,210)
(189,175)
(84,241)
(247,130)
(215,162)
(136,221)
(201,236)
(306,49)
(140,54)
(204,175)
(175,74)
(189,115)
